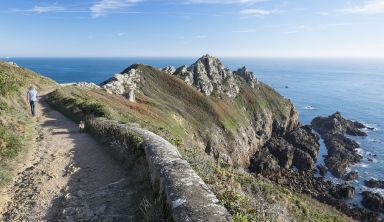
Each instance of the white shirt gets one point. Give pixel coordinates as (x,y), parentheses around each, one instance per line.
(32,95)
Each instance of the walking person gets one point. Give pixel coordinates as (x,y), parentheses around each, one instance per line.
(32,98)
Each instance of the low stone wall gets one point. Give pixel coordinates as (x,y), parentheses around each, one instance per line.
(188,197)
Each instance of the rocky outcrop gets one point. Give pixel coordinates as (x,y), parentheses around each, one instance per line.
(336,124)
(185,73)
(87,85)
(209,76)
(322,169)
(323,190)
(169,70)
(124,83)
(248,76)
(13,64)
(343,191)
(353,175)
(373,201)
(341,150)
(298,148)
(372,183)
(341,153)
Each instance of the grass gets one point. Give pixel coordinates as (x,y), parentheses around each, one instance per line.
(185,117)
(15,121)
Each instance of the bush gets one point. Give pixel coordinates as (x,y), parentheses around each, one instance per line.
(77,108)
(10,143)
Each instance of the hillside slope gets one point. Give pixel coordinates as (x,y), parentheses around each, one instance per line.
(219,120)
(15,120)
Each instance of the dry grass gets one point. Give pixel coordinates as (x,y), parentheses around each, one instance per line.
(15,120)
(176,111)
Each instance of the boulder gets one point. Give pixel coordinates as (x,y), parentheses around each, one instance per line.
(336,124)
(373,201)
(282,151)
(264,163)
(322,169)
(302,160)
(343,191)
(353,175)
(302,138)
(372,183)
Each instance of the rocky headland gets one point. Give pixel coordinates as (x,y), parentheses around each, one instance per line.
(239,121)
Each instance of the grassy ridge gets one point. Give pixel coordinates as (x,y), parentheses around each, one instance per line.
(15,120)
(176,111)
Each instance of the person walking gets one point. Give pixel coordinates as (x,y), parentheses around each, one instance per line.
(32,98)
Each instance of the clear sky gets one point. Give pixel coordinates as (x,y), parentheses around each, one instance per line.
(239,28)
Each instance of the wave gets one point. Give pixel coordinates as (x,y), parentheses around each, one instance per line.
(371,126)
(309,107)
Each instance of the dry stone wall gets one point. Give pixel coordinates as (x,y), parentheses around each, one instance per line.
(188,197)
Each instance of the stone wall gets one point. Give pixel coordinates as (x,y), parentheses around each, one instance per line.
(188,197)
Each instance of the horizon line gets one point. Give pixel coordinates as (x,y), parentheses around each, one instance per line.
(192,56)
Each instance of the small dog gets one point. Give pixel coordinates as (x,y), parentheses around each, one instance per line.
(81,126)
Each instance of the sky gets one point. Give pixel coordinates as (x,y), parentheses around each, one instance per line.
(171,28)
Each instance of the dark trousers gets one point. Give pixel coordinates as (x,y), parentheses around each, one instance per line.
(33,107)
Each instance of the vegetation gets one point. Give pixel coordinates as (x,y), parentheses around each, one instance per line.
(15,121)
(249,198)
(182,115)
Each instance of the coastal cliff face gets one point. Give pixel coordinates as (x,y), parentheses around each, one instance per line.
(220,121)
(229,115)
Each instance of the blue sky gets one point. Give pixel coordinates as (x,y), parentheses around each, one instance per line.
(238,28)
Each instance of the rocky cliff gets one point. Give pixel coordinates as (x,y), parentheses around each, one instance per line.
(229,114)
(222,120)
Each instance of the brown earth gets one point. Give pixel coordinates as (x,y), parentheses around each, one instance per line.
(68,176)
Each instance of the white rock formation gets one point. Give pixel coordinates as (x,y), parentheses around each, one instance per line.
(90,85)
(169,69)
(123,84)
(248,76)
(13,64)
(210,77)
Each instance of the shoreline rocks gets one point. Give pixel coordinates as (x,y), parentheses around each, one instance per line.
(373,201)
(336,124)
(372,183)
(343,191)
(341,149)
(353,175)
(298,148)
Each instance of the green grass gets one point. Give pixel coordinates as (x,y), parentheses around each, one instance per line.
(77,107)
(15,120)
(185,117)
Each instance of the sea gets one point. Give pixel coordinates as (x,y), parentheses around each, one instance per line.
(354,87)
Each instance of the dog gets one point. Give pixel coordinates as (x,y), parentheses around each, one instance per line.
(81,126)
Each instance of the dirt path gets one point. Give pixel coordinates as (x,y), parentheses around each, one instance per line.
(68,176)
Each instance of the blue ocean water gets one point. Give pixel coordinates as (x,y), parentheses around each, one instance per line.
(355,87)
